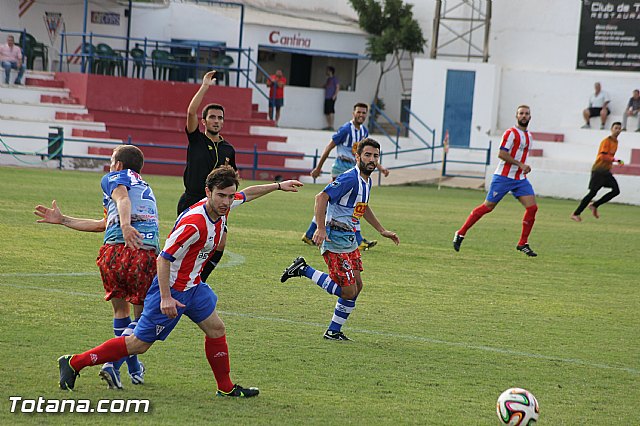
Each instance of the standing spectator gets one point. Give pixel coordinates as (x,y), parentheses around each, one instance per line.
(632,110)
(276,85)
(601,176)
(206,151)
(510,176)
(598,107)
(127,259)
(177,288)
(11,58)
(331,89)
(338,207)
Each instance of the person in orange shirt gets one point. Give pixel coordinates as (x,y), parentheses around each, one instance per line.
(601,176)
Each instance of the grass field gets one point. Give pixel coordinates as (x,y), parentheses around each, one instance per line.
(438,335)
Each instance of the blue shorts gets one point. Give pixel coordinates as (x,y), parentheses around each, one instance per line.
(200,302)
(501,185)
(278,103)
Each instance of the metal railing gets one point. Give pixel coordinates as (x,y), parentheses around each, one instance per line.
(485,163)
(411,130)
(46,153)
(373,124)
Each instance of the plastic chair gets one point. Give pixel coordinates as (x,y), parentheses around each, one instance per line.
(109,60)
(223,63)
(91,59)
(33,50)
(139,61)
(161,63)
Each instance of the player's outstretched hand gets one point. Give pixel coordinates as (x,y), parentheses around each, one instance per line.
(526,169)
(290,185)
(391,235)
(49,215)
(170,306)
(209,78)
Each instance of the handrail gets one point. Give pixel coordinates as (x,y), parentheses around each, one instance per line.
(259,68)
(414,132)
(373,123)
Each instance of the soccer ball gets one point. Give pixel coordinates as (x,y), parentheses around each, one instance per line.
(517,407)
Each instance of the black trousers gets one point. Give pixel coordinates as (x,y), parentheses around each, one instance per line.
(599,180)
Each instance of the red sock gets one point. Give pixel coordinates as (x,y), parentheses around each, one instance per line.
(475,216)
(217,353)
(111,350)
(527,224)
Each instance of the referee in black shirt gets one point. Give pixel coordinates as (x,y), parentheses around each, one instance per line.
(206,151)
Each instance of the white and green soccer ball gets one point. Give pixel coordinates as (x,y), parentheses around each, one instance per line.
(517,407)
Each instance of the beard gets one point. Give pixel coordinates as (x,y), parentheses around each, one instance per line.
(524,122)
(212,133)
(362,166)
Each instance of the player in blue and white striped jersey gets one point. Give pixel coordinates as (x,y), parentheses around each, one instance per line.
(339,208)
(345,141)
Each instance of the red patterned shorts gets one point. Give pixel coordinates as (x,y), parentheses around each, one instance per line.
(342,265)
(126,272)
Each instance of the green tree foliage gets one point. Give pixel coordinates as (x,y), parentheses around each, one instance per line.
(392,31)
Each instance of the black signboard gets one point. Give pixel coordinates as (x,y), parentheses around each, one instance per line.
(609,35)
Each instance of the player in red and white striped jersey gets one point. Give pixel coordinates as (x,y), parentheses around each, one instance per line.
(178,288)
(510,176)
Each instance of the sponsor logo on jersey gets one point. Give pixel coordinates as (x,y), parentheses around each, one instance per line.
(359,209)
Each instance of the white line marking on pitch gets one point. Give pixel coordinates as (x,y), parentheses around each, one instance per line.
(430,340)
(230,260)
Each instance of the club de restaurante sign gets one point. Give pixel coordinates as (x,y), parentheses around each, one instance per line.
(295,40)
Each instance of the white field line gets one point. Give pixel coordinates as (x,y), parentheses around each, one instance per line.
(429,340)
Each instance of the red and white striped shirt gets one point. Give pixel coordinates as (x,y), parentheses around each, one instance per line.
(192,242)
(517,143)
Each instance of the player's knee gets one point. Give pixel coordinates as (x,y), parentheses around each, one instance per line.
(532,209)
(136,346)
(349,292)
(615,191)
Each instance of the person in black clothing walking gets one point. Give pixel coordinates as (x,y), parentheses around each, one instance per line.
(206,151)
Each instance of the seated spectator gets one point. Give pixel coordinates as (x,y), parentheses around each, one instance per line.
(633,107)
(598,107)
(11,58)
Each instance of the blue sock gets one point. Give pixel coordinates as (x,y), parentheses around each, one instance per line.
(119,326)
(341,313)
(312,228)
(359,237)
(133,365)
(323,281)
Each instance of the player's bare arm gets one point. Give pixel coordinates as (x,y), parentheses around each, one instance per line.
(257,191)
(507,158)
(325,154)
(383,169)
(192,110)
(132,238)
(320,210)
(370,217)
(54,216)
(168,305)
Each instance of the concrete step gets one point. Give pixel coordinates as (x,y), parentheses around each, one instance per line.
(85,133)
(38,82)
